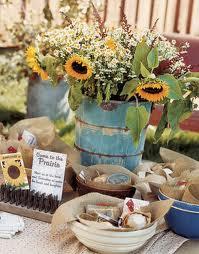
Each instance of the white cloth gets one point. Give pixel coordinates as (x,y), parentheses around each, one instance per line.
(10,224)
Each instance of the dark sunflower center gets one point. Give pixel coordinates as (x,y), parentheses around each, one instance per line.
(153,90)
(79,68)
(13,172)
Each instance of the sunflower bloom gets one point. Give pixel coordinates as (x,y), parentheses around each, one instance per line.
(78,67)
(13,174)
(33,63)
(153,91)
(111,44)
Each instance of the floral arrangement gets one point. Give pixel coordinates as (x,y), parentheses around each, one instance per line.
(118,64)
(22,33)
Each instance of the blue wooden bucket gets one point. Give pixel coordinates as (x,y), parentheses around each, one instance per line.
(102,137)
(46,100)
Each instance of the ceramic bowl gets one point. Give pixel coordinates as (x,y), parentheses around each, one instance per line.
(112,242)
(183,218)
(83,189)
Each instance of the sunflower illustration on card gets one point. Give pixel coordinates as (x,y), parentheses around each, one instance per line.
(13,169)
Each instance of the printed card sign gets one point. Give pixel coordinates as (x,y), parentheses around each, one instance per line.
(48,172)
(13,169)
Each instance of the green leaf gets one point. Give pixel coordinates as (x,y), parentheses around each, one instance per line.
(99,96)
(162,125)
(75,96)
(141,52)
(152,58)
(136,120)
(175,92)
(129,87)
(108,93)
(177,110)
(145,73)
(50,64)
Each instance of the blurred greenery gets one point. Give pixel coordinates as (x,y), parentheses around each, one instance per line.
(13,108)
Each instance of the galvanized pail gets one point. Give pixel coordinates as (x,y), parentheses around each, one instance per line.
(46,100)
(102,137)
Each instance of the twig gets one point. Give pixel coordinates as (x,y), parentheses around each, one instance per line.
(99,21)
(136,100)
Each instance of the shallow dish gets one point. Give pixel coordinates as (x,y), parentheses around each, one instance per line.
(110,242)
(83,189)
(183,218)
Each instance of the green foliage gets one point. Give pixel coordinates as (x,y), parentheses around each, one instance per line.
(75,96)
(152,58)
(136,120)
(145,73)
(140,56)
(108,92)
(162,125)
(177,110)
(175,92)
(130,87)
(99,96)
(51,63)
(184,142)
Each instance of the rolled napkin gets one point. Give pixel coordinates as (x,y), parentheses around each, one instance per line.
(136,220)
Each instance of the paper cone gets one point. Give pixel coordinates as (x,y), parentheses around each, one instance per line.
(170,191)
(191,194)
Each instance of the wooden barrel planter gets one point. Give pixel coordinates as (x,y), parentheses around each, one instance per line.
(44,99)
(102,137)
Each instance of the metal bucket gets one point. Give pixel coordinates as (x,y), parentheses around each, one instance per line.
(102,137)
(46,100)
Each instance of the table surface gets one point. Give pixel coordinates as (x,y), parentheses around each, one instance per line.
(37,239)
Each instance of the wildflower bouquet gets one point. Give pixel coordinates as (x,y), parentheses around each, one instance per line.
(118,64)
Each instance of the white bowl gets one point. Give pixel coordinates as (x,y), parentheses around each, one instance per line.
(107,242)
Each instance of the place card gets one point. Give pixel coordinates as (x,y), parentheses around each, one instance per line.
(14,172)
(48,171)
(29,138)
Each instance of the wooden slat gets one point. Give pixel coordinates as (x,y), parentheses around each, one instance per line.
(194,28)
(29,213)
(159,11)
(144,14)
(113,13)
(37,6)
(130,11)
(170,16)
(183,16)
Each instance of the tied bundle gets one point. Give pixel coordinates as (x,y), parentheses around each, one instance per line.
(176,172)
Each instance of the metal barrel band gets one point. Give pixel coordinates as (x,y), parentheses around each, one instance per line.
(100,126)
(107,155)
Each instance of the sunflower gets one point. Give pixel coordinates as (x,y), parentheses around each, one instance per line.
(153,91)
(33,63)
(78,67)
(14,174)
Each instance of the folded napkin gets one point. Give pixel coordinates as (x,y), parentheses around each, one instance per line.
(10,224)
